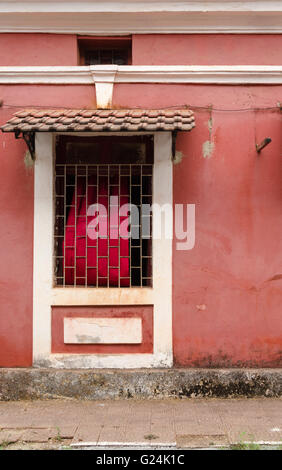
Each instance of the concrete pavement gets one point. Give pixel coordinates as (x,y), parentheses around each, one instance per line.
(170,423)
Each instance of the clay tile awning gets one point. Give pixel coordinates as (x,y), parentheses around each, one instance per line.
(100,120)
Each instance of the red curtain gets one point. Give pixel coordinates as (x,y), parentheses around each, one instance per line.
(104,269)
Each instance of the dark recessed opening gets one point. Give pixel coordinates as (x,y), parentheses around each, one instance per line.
(104,50)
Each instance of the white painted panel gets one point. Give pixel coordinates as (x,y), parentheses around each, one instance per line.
(162,248)
(43,244)
(102,330)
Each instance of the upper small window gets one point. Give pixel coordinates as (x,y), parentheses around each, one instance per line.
(104,50)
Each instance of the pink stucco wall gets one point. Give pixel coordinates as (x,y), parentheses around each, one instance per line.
(16,219)
(227,291)
(148,49)
(206,49)
(38,49)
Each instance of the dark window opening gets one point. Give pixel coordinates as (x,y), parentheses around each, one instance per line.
(105,50)
(113,172)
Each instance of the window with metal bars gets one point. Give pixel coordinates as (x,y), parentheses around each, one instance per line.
(105,50)
(102,231)
(106,56)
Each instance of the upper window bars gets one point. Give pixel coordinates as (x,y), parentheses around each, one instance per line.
(95,50)
(103,221)
(106,56)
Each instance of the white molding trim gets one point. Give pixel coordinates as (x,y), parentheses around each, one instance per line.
(44,295)
(43,236)
(141,17)
(107,6)
(86,75)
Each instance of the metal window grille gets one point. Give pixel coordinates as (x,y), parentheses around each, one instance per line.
(92,247)
(106,56)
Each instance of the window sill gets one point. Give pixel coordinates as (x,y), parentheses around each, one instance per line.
(102,296)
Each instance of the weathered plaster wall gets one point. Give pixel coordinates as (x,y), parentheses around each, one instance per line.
(227,291)
(16,227)
(16,219)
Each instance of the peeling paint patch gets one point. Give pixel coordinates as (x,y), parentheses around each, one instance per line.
(28,162)
(201,307)
(88,339)
(208,146)
(178,157)
(207,149)
(210,125)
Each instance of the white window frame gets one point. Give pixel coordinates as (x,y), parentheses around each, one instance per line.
(45,295)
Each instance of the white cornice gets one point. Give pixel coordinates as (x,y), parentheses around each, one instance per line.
(229,74)
(138,5)
(33,6)
(103,73)
(141,17)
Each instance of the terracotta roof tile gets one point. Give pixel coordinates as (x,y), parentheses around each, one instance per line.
(101,120)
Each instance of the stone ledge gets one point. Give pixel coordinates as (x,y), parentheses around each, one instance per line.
(98,384)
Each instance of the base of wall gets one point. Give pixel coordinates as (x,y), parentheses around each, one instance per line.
(27,384)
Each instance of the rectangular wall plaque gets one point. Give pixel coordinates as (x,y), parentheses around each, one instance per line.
(102,330)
